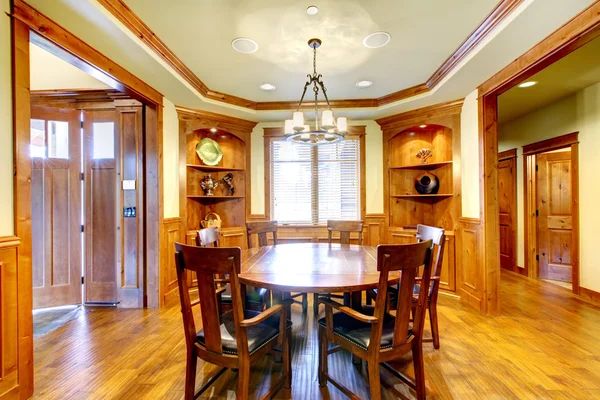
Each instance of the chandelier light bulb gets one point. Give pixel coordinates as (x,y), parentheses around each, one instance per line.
(298,119)
(327,120)
(342,125)
(289,126)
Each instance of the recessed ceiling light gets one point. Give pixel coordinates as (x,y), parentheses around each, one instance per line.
(422,126)
(244,45)
(527,84)
(267,87)
(364,84)
(377,39)
(213,130)
(312,10)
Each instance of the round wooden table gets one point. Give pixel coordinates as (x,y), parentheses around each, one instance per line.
(312,268)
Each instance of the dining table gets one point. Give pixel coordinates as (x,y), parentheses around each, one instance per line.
(313,268)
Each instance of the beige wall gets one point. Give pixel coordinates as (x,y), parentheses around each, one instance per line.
(469,149)
(170,159)
(373,173)
(50,72)
(579,112)
(6,128)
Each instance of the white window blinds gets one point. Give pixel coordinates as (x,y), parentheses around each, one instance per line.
(311,184)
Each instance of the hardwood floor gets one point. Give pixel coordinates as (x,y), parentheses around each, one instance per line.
(543,345)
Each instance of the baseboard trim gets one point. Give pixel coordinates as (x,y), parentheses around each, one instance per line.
(589,294)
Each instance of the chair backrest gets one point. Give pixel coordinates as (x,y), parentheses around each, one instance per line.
(407,258)
(437,235)
(260,229)
(208,237)
(207,262)
(345,228)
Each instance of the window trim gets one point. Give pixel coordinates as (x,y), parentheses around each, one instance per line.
(272,134)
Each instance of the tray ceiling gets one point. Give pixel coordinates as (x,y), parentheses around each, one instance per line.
(424,35)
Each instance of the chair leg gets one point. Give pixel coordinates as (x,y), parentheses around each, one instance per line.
(433,321)
(323,347)
(316,303)
(304,302)
(287,360)
(374,379)
(417,354)
(190,375)
(243,379)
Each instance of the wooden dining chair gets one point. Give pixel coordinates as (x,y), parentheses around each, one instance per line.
(256,298)
(261,229)
(374,335)
(344,228)
(437,235)
(236,339)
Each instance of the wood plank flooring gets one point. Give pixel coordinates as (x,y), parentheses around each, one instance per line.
(544,345)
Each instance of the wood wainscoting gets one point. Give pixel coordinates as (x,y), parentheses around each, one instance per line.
(469,242)
(172,232)
(16,340)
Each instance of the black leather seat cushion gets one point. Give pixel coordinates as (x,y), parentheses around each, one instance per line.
(359,333)
(393,293)
(253,295)
(258,335)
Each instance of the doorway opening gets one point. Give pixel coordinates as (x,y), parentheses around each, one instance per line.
(86,149)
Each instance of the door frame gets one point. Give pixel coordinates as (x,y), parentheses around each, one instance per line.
(574,34)
(530,151)
(507,155)
(29,24)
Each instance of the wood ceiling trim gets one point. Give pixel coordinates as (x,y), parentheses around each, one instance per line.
(498,14)
(425,113)
(59,41)
(189,113)
(129,19)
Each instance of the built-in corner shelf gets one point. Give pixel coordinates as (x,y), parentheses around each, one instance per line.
(200,197)
(208,168)
(426,166)
(415,196)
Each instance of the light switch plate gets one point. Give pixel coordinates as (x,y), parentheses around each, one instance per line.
(129,185)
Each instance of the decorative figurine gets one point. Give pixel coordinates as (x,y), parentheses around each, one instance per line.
(228,182)
(423,155)
(208,184)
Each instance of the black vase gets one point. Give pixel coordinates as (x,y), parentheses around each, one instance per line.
(427,184)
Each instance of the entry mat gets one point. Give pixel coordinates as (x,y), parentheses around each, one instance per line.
(47,320)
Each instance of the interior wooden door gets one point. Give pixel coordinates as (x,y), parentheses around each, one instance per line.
(507,191)
(56,206)
(102,164)
(555,223)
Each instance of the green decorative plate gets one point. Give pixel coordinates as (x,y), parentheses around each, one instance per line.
(209,151)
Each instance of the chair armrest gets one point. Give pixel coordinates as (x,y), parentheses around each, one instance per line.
(369,319)
(220,290)
(269,312)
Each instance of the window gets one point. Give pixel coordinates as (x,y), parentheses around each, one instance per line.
(311,184)
(103,140)
(37,147)
(58,139)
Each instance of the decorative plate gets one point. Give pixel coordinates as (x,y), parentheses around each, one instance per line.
(209,151)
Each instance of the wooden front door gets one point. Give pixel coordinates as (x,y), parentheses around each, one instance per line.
(55,206)
(555,222)
(101,164)
(507,190)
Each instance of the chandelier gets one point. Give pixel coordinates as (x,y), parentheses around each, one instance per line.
(329,130)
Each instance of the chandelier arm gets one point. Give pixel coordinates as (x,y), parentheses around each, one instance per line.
(320,82)
(306,85)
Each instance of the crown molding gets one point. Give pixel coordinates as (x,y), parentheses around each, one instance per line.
(426,113)
(185,113)
(131,21)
